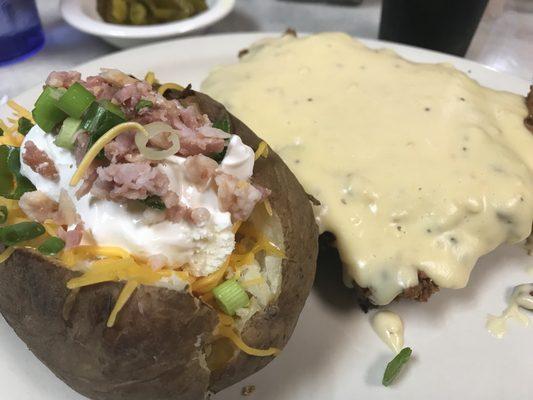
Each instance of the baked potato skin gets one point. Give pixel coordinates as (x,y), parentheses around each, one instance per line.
(150,353)
(273,326)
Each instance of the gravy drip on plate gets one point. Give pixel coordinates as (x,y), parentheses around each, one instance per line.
(417,167)
(389,327)
(522,297)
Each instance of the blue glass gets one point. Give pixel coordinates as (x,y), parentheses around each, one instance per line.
(21,34)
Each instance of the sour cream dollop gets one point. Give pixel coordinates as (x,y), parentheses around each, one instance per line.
(239,159)
(202,248)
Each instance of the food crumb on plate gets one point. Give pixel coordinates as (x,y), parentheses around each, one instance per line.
(248,390)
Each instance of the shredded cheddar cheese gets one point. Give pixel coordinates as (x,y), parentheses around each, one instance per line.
(4,256)
(225,320)
(78,254)
(236,226)
(150,77)
(208,283)
(12,139)
(228,332)
(167,86)
(115,270)
(99,145)
(51,227)
(262,150)
(268,207)
(21,111)
(225,328)
(123,298)
(11,135)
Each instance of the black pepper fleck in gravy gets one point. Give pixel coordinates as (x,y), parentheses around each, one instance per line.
(504,217)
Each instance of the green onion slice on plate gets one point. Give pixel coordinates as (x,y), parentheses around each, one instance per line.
(395,366)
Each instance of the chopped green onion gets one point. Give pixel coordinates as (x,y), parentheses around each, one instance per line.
(76,100)
(12,183)
(46,112)
(99,118)
(114,108)
(143,104)
(230,296)
(218,157)
(3,214)
(1,132)
(154,202)
(51,246)
(395,366)
(67,133)
(223,124)
(16,233)
(24,125)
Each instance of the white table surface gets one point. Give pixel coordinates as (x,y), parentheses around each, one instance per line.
(504,40)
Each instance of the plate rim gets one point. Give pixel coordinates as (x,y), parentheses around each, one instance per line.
(251,37)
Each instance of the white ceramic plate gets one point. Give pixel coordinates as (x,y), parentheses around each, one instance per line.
(82,15)
(334,353)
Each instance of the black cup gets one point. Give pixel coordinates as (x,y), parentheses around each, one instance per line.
(442,25)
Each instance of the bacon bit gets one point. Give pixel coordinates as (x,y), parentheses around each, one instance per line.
(199,216)
(99,87)
(200,170)
(122,148)
(176,213)
(210,132)
(237,197)
(171,199)
(134,181)
(129,95)
(116,77)
(38,206)
(192,117)
(71,237)
(62,78)
(197,136)
(39,161)
(66,213)
(80,146)
(193,143)
(161,141)
(88,180)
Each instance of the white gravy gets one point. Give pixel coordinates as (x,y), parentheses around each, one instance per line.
(389,327)
(417,166)
(522,297)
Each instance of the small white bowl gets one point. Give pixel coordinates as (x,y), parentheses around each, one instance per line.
(82,15)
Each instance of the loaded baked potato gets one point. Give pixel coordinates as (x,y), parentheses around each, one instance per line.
(115,307)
